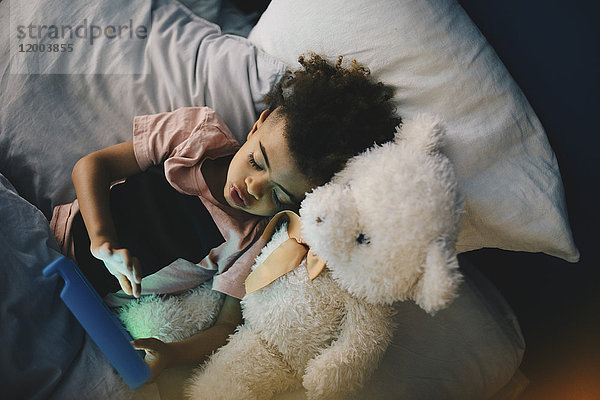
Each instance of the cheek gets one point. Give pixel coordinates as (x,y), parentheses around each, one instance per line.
(263,208)
(267,206)
(235,168)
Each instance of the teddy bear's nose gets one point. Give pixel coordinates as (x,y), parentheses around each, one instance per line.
(318,220)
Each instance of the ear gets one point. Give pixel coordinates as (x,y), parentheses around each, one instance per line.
(261,119)
(440,280)
(423,131)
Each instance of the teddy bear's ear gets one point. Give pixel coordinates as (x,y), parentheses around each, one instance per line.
(439,282)
(423,131)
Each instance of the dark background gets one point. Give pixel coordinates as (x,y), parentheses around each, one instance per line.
(552,50)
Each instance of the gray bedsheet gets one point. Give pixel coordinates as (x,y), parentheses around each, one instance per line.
(50,120)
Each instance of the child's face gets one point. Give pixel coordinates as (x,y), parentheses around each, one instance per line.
(262,178)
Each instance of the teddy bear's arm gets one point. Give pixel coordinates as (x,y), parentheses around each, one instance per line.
(245,368)
(347,364)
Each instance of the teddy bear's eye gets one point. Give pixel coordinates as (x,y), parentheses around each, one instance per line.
(362,239)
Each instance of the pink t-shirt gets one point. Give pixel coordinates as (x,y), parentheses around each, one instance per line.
(183,139)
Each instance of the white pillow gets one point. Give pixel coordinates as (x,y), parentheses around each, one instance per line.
(440,63)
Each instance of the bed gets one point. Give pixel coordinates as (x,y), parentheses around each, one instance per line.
(60,105)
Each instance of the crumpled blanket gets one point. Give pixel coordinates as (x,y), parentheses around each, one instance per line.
(45,353)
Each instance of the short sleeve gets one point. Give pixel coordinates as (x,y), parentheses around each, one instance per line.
(181,139)
(157,136)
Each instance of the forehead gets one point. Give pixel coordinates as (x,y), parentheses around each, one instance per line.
(275,124)
(284,170)
(271,136)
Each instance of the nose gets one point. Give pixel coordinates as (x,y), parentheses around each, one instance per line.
(256,186)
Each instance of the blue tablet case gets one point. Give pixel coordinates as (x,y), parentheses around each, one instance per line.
(100,323)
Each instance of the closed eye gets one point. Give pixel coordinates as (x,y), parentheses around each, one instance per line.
(253,162)
(278,202)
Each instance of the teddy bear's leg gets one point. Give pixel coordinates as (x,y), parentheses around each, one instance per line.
(242,369)
(347,364)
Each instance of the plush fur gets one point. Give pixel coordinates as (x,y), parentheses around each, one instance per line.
(401,200)
(172,318)
(387,227)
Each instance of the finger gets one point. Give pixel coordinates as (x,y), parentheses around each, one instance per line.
(152,347)
(128,260)
(137,270)
(137,276)
(146,343)
(137,290)
(125,284)
(135,285)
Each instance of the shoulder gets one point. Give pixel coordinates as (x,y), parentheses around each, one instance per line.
(204,124)
(214,120)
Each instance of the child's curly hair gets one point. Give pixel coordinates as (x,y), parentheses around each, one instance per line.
(332,114)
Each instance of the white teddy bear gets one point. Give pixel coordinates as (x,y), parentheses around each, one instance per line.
(386,227)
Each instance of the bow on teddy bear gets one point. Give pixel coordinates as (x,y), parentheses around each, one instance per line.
(286,257)
(386,227)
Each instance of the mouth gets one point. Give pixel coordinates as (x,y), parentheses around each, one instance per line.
(236,197)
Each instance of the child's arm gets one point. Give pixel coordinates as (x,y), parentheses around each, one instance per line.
(92,176)
(194,349)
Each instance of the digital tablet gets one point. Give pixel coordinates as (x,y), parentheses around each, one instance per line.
(100,323)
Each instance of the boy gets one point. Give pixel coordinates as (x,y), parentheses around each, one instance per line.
(318,118)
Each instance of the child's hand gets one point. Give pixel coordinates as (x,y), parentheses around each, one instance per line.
(158,354)
(122,265)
